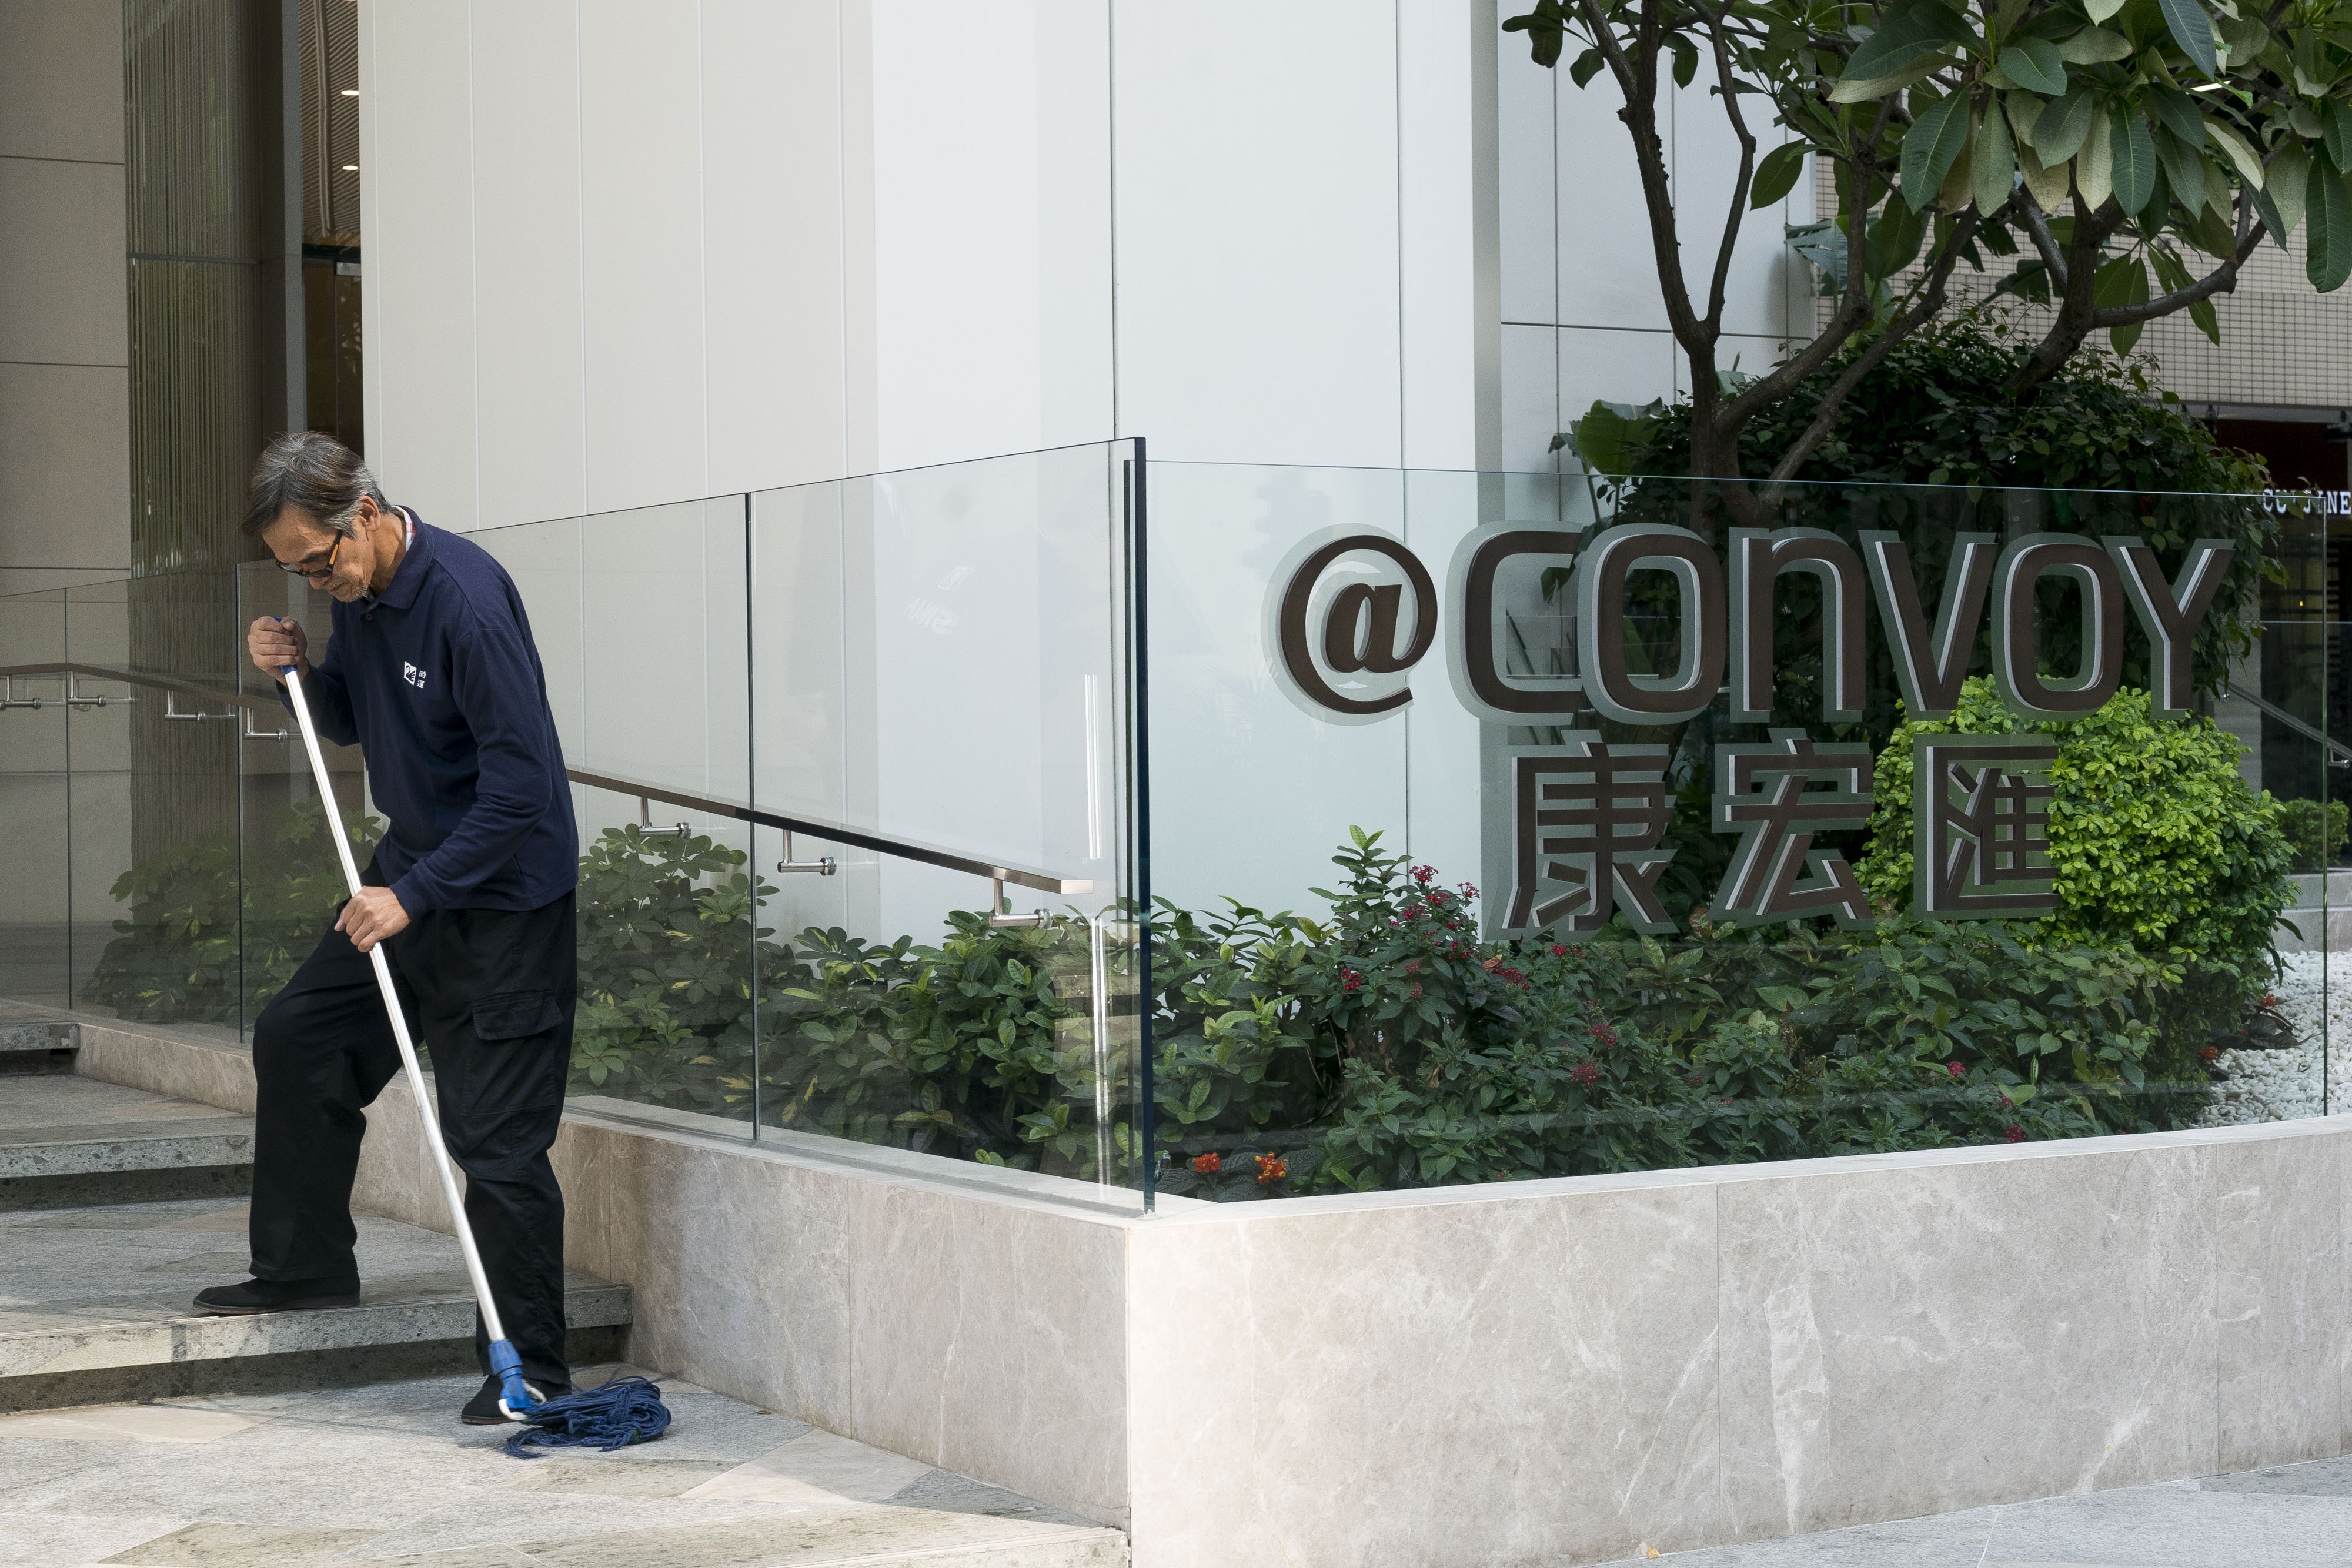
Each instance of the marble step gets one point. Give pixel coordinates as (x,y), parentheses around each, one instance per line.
(67,1141)
(31,1043)
(96,1304)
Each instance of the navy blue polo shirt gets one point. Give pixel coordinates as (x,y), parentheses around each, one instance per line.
(438,683)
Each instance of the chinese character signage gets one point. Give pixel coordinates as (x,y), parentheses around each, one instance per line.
(1585,820)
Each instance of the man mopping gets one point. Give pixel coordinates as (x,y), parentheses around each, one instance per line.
(431,672)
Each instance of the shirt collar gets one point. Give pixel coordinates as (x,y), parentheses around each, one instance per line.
(401,591)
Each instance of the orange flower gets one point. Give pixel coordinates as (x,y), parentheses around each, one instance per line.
(1208,1164)
(1272,1168)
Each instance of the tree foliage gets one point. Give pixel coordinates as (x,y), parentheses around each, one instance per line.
(2119,158)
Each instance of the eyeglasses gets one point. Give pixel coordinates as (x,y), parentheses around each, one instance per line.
(308,569)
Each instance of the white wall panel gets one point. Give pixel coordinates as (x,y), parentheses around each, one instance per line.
(526,171)
(1607,277)
(1526,150)
(417,213)
(772,217)
(1437,240)
(1531,398)
(1258,230)
(641,181)
(1074,221)
(957,247)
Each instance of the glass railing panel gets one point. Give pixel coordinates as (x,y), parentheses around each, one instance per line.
(99,725)
(172,849)
(35,806)
(941,669)
(1618,868)
(639,620)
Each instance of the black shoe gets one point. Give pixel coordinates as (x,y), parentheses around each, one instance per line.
(482,1409)
(280,1296)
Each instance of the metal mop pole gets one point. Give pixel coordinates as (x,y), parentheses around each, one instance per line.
(505,1364)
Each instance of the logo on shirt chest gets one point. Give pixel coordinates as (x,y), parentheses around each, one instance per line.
(413,675)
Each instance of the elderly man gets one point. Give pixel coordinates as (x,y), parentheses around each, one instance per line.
(431,670)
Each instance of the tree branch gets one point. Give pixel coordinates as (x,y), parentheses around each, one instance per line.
(2222,279)
(1929,303)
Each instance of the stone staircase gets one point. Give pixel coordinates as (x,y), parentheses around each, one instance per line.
(118,1205)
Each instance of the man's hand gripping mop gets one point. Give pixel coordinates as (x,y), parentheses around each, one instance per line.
(612,1415)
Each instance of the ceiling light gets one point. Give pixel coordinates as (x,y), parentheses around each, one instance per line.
(350,92)
(351,168)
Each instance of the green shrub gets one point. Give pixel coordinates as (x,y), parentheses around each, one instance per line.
(2301,822)
(1383,1045)
(2156,843)
(217,929)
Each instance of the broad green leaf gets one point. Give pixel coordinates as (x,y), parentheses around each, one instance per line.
(2284,186)
(2060,132)
(1894,239)
(2183,170)
(2024,110)
(2121,280)
(2338,121)
(2192,29)
(1686,60)
(1861,90)
(2048,184)
(2034,65)
(2307,122)
(2327,219)
(2208,322)
(2176,112)
(1908,37)
(2094,47)
(1992,164)
(2094,167)
(1934,140)
(1776,173)
(2241,152)
(2135,159)
(1954,193)
(1588,65)
(2100,10)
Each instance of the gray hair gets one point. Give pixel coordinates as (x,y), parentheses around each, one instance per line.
(312,473)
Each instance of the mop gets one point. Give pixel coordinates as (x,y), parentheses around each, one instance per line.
(613,1414)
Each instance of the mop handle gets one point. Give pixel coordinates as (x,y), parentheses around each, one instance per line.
(399,1019)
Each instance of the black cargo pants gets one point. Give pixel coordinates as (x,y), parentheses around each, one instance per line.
(489,993)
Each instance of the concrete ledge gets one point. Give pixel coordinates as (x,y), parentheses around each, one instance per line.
(1550,1371)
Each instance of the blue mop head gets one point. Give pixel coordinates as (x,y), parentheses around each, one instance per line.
(610,1415)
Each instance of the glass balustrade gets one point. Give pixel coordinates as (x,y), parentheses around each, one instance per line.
(1488,826)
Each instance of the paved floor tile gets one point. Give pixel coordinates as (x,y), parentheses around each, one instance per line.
(386,1476)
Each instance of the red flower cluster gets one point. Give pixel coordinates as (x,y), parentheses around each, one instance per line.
(1425,874)
(1351,981)
(1272,1168)
(2013,1133)
(1514,976)
(1584,1075)
(1414,967)
(2208,1051)
(1558,950)
(1956,1069)
(1208,1164)
(1605,1033)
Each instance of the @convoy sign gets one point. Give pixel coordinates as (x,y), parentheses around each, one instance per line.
(1352,614)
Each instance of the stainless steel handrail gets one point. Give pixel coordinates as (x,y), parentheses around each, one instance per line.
(2340,754)
(816,828)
